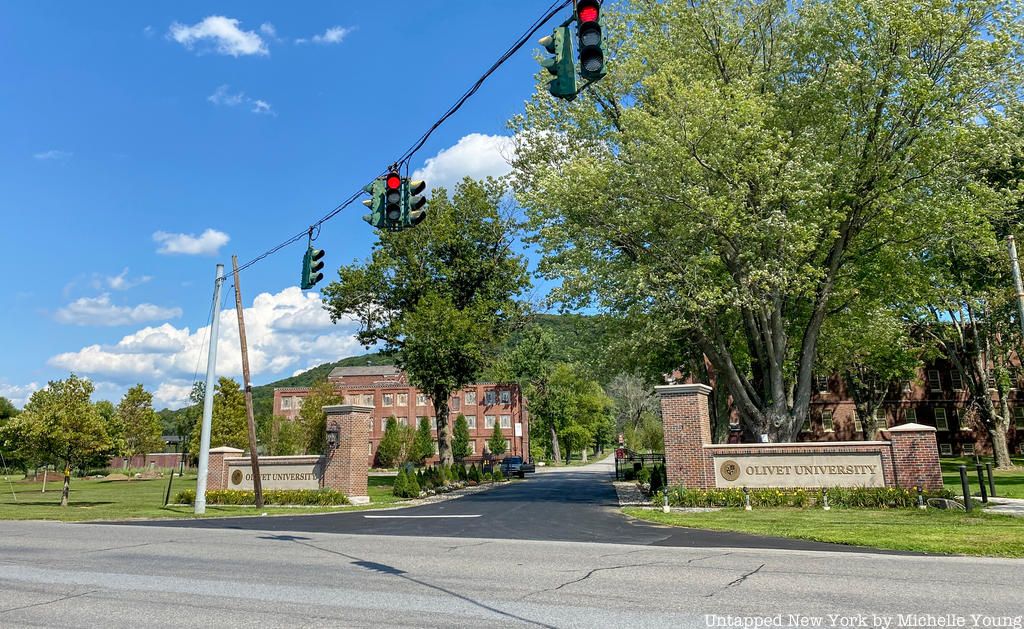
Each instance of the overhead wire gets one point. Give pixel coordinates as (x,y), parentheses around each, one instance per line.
(407,156)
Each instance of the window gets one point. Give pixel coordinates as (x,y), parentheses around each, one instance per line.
(421,399)
(489,422)
(906,386)
(383,423)
(456,403)
(807,425)
(370,448)
(956,379)
(968,449)
(403,421)
(472,447)
(363,399)
(991,381)
(370,427)
(388,399)
(508,445)
(857,425)
(506,397)
(506,421)
(934,381)
(1018,417)
(286,404)
(470,398)
(433,423)
(826,421)
(297,401)
(821,383)
(436,451)
(489,397)
(403,399)
(880,420)
(910,415)
(941,423)
(946,449)
(471,421)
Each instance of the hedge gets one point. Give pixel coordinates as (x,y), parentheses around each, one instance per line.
(315,497)
(863,497)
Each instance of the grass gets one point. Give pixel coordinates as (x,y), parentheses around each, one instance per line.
(592,458)
(122,500)
(931,531)
(1009,484)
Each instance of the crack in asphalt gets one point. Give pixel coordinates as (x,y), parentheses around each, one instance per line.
(451,548)
(40,604)
(735,582)
(100,550)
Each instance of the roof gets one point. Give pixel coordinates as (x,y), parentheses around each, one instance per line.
(378,370)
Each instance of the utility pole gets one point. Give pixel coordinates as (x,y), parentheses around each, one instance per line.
(1016,280)
(257,481)
(211,372)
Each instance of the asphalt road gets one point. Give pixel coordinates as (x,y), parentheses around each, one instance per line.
(567,504)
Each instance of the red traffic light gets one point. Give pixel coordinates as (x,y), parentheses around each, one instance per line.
(588,12)
(393,181)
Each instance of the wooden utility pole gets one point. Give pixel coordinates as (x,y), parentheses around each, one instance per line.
(257,482)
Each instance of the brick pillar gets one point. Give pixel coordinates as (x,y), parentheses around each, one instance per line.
(687,428)
(217,469)
(915,456)
(347,466)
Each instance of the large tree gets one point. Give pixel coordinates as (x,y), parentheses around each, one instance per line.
(229,426)
(140,425)
(439,296)
(61,425)
(748,168)
(312,417)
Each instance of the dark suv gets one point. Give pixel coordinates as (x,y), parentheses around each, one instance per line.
(514,466)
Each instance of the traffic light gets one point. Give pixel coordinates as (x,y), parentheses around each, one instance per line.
(414,202)
(312,264)
(375,203)
(561,65)
(588,30)
(393,200)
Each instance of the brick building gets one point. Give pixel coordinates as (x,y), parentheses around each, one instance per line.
(388,390)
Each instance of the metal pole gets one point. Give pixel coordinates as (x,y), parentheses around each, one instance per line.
(254,457)
(966,488)
(1018,286)
(211,375)
(170,479)
(981,482)
(991,481)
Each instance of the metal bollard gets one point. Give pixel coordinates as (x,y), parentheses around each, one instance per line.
(966,488)
(981,481)
(664,497)
(746,499)
(991,480)
(920,496)
(824,500)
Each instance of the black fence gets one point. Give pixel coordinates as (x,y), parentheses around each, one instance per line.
(628,461)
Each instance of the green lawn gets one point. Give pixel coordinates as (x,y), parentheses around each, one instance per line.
(1008,484)
(120,500)
(931,531)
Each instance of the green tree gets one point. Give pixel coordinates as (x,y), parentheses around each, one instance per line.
(139,424)
(312,417)
(423,445)
(282,436)
(460,438)
(390,450)
(530,363)
(496,444)
(61,425)
(229,426)
(9,438)
(440,295)
(748,168)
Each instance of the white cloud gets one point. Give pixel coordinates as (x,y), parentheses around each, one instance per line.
(333,35)
(18,394)
(121,281)
(53,154)
(475,155)
(224,35)
(100,311)
(206,244)
(261,107)
(268,29)
(223,96)
(284,331)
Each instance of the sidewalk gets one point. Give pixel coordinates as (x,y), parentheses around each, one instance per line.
(1005,506)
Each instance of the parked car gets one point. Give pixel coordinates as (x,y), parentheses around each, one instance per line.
(514,466)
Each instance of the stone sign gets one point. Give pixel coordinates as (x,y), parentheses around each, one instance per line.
(799,470)
(289,476)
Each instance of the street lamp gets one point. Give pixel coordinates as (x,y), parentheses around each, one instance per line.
(333,436)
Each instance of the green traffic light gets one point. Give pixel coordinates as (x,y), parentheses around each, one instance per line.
(561,65)
(376,204)
(312,264)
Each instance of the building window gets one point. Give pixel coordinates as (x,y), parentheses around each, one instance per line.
(1018,417)
(880,420)
(991,381)
(403,421)
(472,447)
(286,404)
(506,397)
(934,381)
(471,421)
(968,449)
(826,421)
(364,399)
(910,415)
(941,423)
(421,399)
(298,402)
(456,403)
(906,386)
(858,426)
(388,399)
(436,450)
(489,397)
(470,398)
(506,421)
(821,383)
(807,425)
(370,426)
(488,422)
(956,379)
(403,399)
(370,448)
(433,423)
(508,445)
(946,449)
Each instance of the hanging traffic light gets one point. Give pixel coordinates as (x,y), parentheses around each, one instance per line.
(375,203)
(588,30)
(312,264)
(415,201)
(393,200)
(561,65)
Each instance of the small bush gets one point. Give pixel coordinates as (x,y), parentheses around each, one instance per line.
(399,488)
(475,475)
(412,487)
(304,497)
(643,476)
(657,479)
(498,476)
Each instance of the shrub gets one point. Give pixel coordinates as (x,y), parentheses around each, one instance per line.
(498,475)
(857,497)
(398,488)
(311,497)
(474,474)
(657,479)
(412,487)
(643,476)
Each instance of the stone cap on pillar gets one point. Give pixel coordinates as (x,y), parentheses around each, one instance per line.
(669,389)
(342,409)
(225,450)
(911,428)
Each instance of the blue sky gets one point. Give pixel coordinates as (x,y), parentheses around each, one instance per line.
(144,142)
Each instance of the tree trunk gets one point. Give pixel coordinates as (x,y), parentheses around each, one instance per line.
(1000,448)
(554,446)
(444,440)
(67,485)
(584,454)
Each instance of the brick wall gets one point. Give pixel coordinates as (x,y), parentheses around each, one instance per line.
(347,467)
(217,468)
